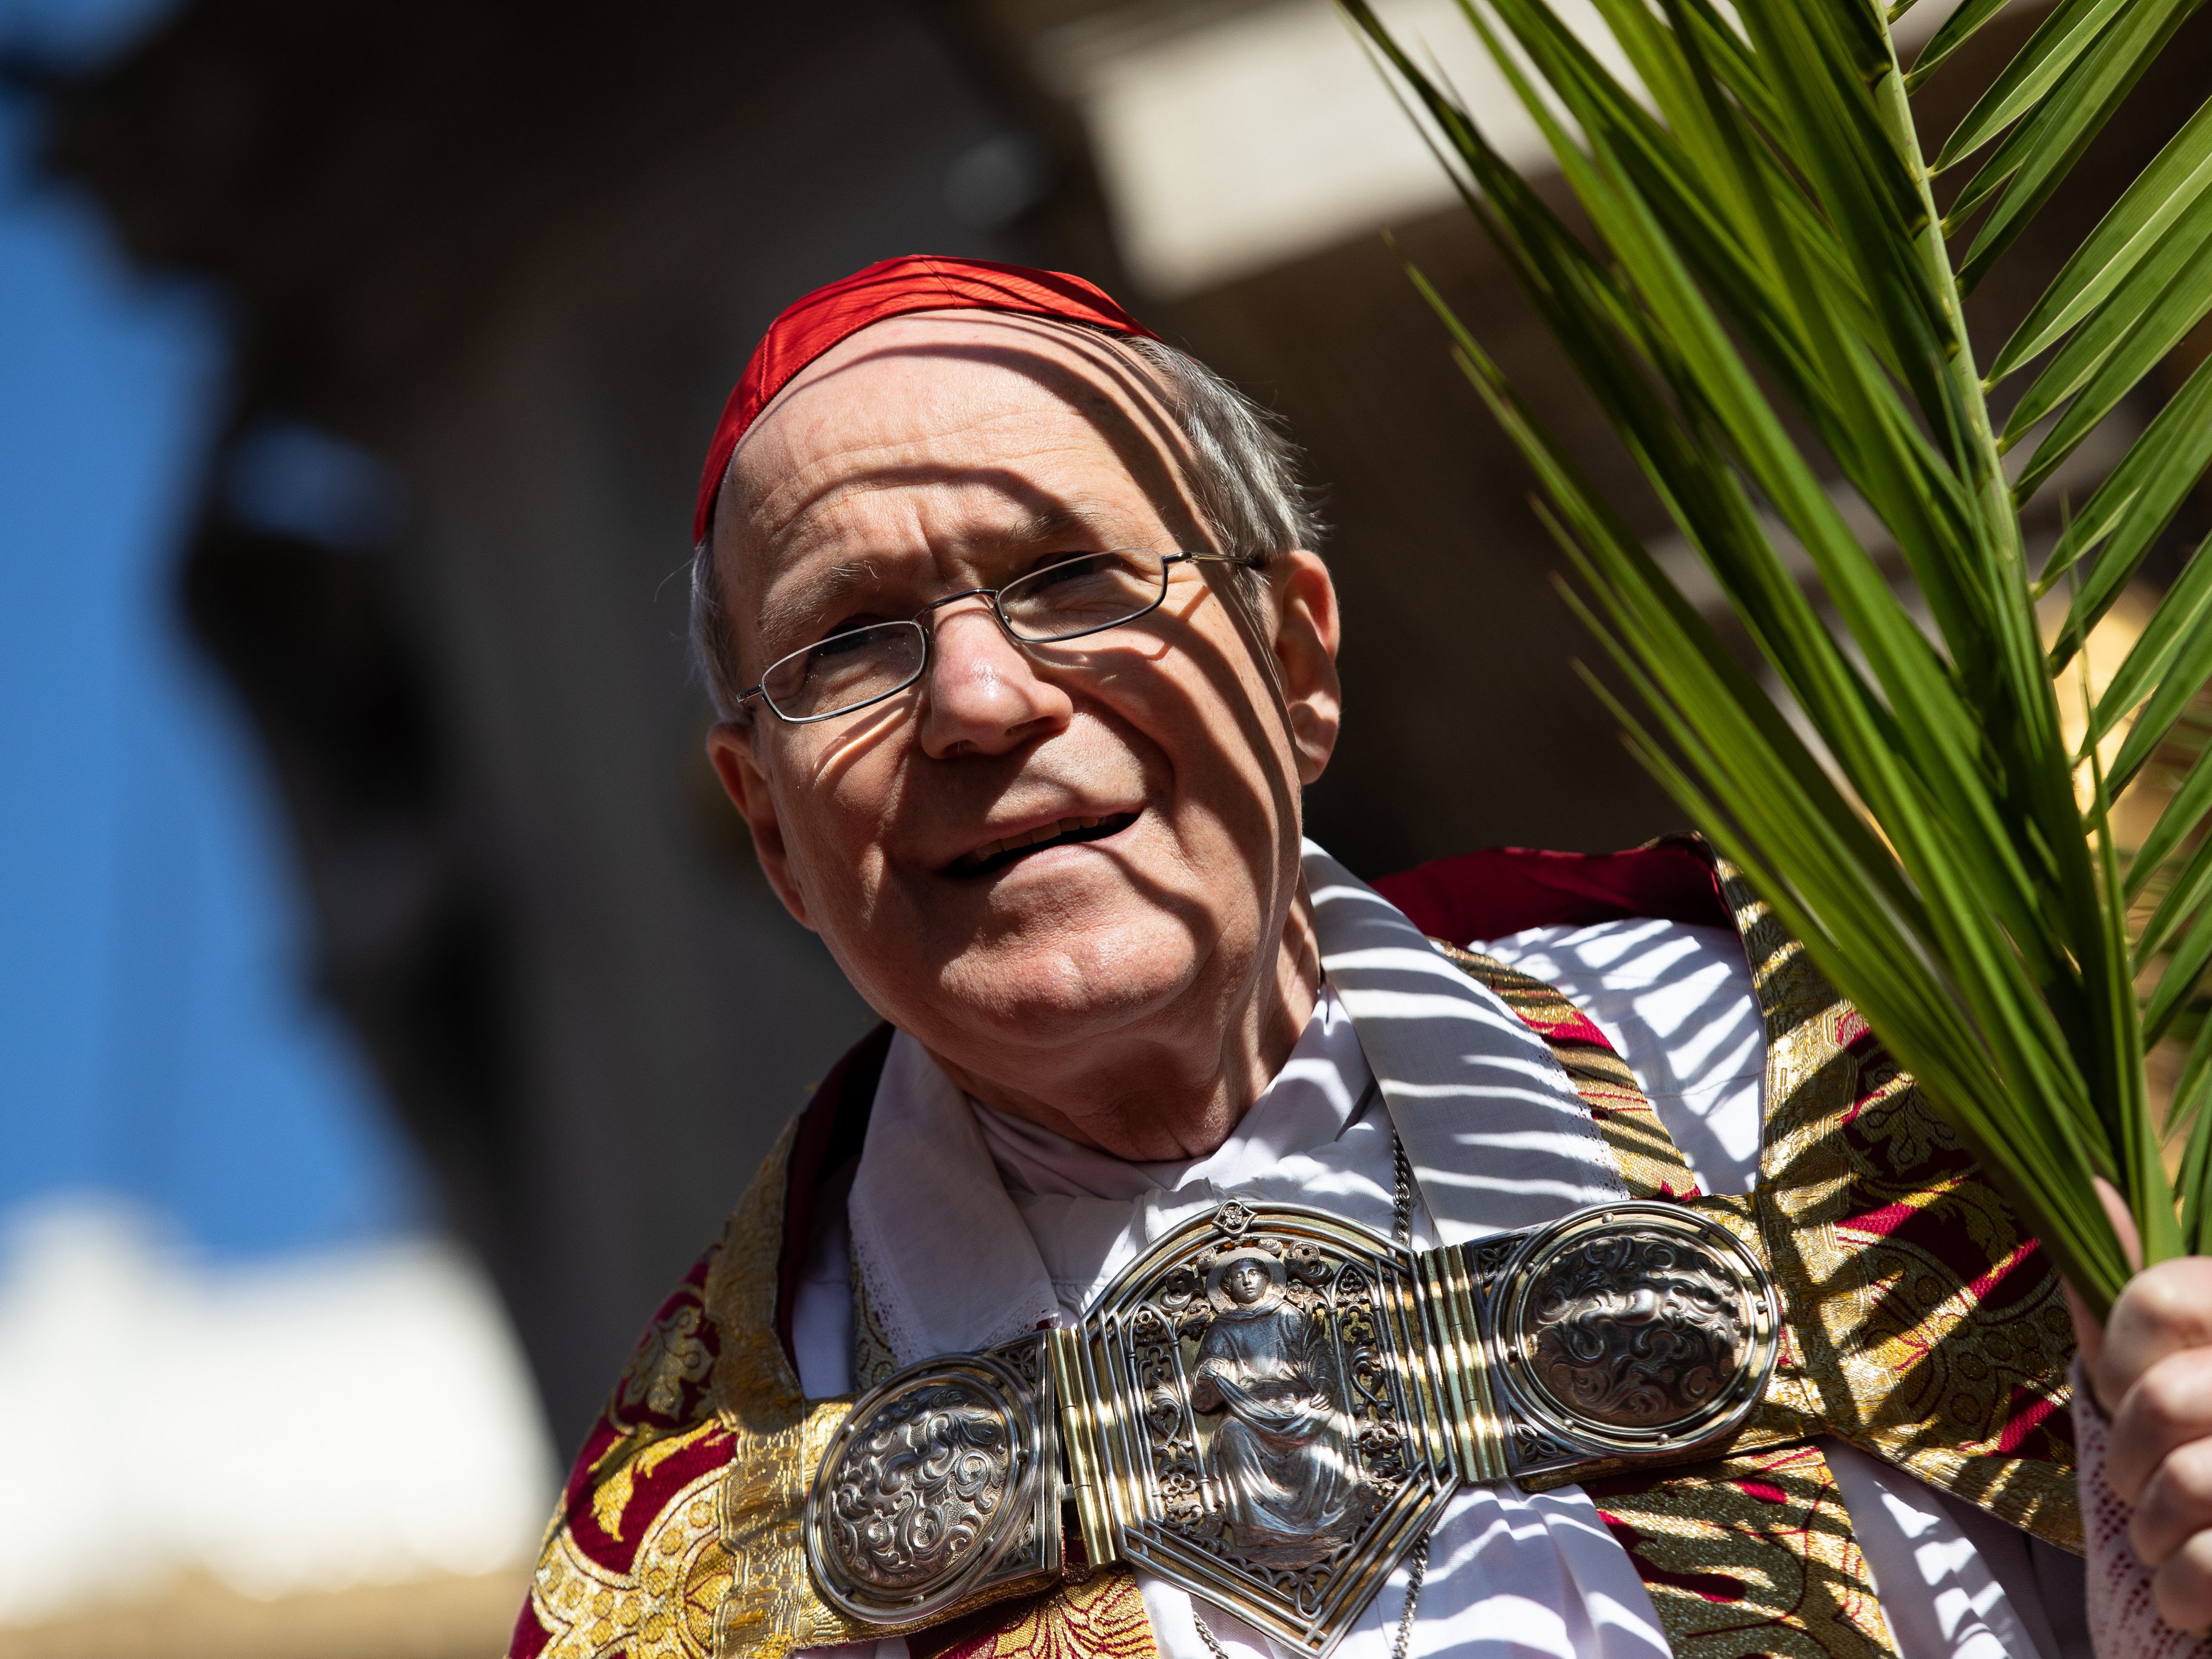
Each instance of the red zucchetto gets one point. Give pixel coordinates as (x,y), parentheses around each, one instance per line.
(891,288)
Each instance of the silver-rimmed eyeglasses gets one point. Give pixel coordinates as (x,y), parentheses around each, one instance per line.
(1084,593)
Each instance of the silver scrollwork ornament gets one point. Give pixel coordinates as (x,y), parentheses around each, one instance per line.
(942,1478)
(1633,1330)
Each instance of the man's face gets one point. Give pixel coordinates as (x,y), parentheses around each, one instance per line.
(1246,1280)
(1035,846)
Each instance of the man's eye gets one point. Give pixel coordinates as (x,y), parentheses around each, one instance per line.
(844,640)
(1058,570)
(853,622)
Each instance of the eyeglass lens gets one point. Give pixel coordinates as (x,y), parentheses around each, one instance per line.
(1077,596)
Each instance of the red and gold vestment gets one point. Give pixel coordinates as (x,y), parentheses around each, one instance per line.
(1923,1328)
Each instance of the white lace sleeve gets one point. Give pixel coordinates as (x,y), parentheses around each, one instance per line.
(2123,1622)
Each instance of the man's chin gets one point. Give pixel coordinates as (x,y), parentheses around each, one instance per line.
(1049,991)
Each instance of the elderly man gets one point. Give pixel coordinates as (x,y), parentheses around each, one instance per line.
(1229,1262)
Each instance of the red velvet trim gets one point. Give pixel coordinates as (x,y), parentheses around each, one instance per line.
(613,1548)
(530,1638)
(1503,890)
(830,1130)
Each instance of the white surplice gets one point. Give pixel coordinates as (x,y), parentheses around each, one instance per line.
(970,1227)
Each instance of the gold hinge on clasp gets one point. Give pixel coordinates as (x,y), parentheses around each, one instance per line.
(1446,1293)
(1082,1464)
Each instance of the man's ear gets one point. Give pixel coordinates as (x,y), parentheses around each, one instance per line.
(730,747)
(1307,632)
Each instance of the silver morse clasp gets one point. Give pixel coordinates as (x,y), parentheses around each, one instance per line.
(943,1484)
(1271,1405)
(1629,1332)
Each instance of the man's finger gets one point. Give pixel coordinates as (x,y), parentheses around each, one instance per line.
(2175,1504)
(2169,1407)
(2183,1587)
(2164,1309)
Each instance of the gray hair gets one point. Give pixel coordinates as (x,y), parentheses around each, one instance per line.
(1244,471)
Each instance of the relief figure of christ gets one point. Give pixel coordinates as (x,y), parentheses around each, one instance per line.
(1282,1455)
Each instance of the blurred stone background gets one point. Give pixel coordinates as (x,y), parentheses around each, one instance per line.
(450,296)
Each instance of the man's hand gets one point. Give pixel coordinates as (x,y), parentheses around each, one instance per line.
(2151,1369)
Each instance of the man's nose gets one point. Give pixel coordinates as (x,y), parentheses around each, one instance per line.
(983,693)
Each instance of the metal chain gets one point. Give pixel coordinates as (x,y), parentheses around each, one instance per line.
(1401,1208)
(1415,1575)
(1212,1641)
(1417,1572)
(1417,1559)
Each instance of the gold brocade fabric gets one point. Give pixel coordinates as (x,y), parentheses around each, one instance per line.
(677,1536)
(1919,1324)
(777,1436)
(1751,1554)
(1922,1328)
(1748,1554)
(1102,1618)
(1933,1333)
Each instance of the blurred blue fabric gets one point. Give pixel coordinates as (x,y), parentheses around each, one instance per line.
(159,1042)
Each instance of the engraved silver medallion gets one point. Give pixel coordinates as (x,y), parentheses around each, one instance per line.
(1630,1329)
(943,1481)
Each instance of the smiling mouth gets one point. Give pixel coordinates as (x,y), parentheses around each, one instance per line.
(997,854)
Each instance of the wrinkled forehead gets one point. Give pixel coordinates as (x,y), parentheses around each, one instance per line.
(1003,411)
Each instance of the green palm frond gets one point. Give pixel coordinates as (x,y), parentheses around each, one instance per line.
(1767,305)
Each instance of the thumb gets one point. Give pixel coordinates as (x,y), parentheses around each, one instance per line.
(2088,1332)
(2123,1222)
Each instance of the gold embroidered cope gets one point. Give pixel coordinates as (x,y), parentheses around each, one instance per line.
(1922,1327)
